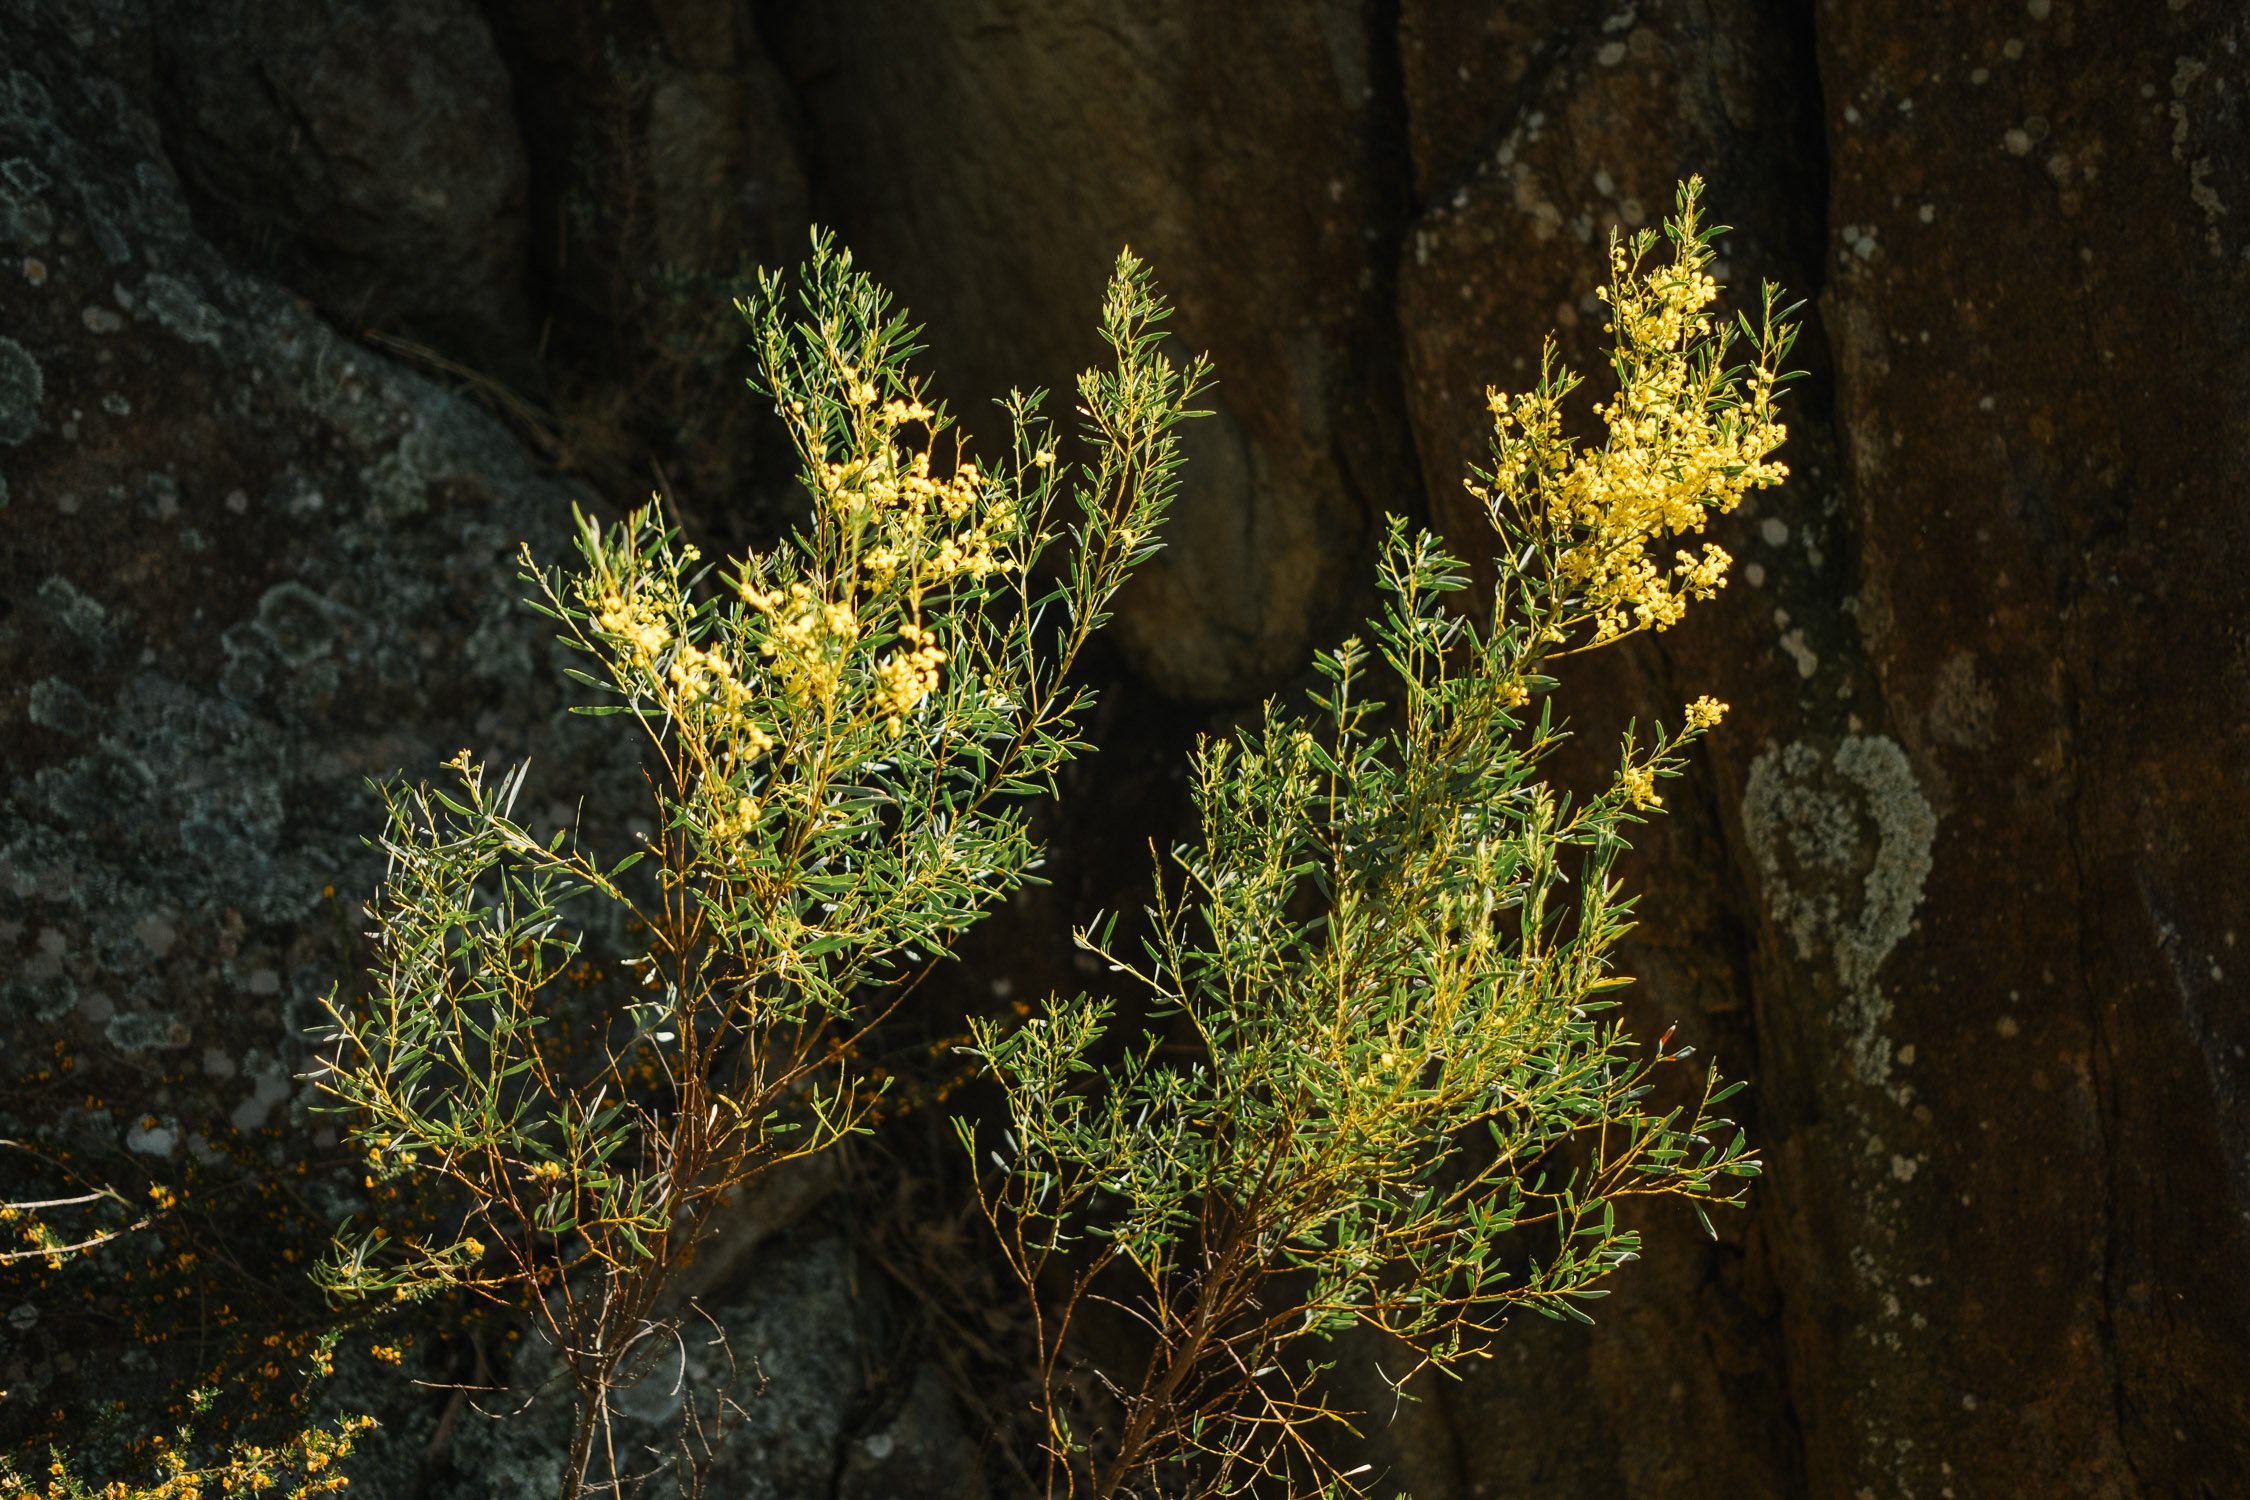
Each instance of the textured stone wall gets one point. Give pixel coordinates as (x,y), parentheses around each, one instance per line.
(309,313)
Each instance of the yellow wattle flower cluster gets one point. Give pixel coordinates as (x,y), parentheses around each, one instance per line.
(640,620)
(1686,441)
(905,530)
(938,529)
(970,554)
(915,530)
(907,677)
(738,821)
(697,673)
(249,1469)
(807,638)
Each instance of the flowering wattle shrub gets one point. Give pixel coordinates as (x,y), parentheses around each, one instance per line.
(841,738)
(1388,1090)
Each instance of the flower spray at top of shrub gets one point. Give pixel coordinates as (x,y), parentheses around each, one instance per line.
(841,736)
(1405,1104)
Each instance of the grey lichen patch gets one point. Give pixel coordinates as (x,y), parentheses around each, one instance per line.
(154,1137)
(1963,709)
(24,101)
(23,390)
(2186,73)
(298,623)
(101,788)
(269,1086)
(55,704)
(180,309)
(146,1031)
(1843,843)
(156,203)
(1807,659)
(290,654)
(41,1001)
(1843,846)
(95,212)
(75,611)
(437,448)
(25,219)
(155,932)
(497,649)
(233,831)
(23,176)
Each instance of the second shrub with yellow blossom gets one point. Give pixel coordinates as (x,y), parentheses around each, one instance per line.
(1391,1093)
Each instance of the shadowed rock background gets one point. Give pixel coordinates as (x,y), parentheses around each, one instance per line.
(310,310)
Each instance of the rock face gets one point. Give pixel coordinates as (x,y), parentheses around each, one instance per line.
(1043,138)
(664,168)
(250,564)
(365,155)
(2039,328)
(1958,884)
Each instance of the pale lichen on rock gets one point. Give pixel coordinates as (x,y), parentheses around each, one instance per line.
(23,388)
(1843,845)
